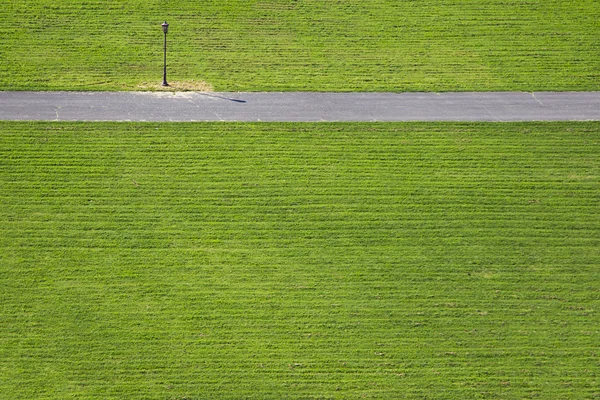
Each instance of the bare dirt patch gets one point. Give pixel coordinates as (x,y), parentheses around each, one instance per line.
(178,86)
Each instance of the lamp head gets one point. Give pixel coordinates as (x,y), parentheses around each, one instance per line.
(165,27)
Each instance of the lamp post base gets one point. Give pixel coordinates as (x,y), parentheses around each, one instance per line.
(165,83)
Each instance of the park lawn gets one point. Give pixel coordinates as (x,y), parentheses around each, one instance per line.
(299,261)
(302,45)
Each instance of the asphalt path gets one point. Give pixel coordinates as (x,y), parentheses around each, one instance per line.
(299,106)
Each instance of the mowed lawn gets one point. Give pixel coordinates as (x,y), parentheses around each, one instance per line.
(305,45)
(299,261)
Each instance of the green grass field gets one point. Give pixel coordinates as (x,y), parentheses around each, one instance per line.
(305,45)
(299,261)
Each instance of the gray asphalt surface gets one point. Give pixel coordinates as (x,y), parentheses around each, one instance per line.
(299,106)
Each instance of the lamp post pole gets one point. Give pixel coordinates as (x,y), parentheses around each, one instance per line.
(165,28)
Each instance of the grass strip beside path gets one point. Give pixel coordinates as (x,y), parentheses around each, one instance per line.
(228,261)
(304,45)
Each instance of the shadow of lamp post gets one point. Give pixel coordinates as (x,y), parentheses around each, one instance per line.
(165,28)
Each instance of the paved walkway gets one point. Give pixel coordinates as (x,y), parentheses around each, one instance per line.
(299,106)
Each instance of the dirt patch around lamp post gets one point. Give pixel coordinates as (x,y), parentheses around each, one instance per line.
(178,86)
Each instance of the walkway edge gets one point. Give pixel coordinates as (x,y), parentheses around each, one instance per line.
(299,106)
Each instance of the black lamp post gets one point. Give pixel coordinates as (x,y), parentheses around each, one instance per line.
(165,28)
